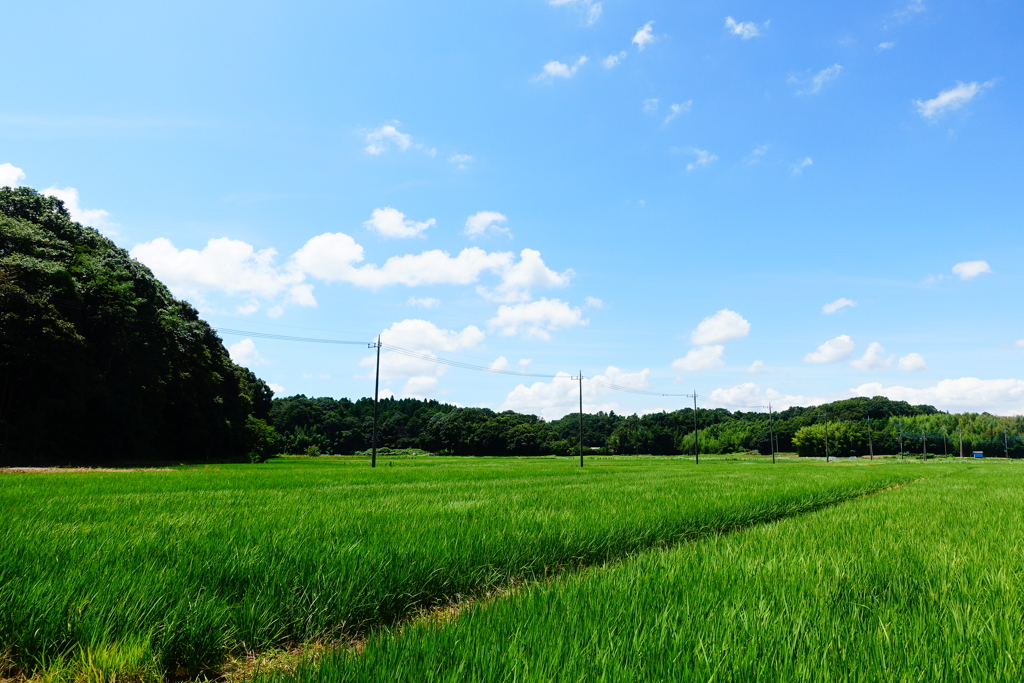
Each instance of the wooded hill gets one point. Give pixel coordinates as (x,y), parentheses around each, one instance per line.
(99,363)
(343,427)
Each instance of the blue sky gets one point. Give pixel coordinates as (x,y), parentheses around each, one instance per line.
(668,196)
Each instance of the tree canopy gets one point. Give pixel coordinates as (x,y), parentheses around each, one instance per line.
(99,362)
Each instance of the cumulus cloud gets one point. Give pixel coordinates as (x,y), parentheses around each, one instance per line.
(873,359)
(701,358)
(379,140)
(838,304)
(749,394)
(236,268)
(519,279)
(424,302)
(723,326)
(536,319)
(551,400)
(644,36)
(885,46)
(651,104)
(421,375)
(593,302)
(500,363)
(998,396)
(832,351)
(94,218)
(612,61)
(276,388)
(951,99)
(755,367)
(461,159)
(244,353)
(223,265)
(592,10)
(744,29)
(556,69)
(913,362)
(10,175)
(906,13)
(392,223)
(968,270)
(1019,343)
(704,158)
(818,81)
(677,109)
(480,222)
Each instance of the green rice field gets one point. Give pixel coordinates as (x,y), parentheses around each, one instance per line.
(628,569)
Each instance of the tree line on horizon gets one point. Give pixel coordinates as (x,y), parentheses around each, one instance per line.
(342,426)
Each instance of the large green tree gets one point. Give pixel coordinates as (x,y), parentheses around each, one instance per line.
(98,362)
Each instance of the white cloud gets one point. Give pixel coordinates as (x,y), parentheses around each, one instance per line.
(913,362)
(612,61)
(951,99)
(592,302)
(276,388)
(500,363)
(818,80)
(551,400)
(244,353)
(651,104)
(873,359)
(94,218)
(885,46)
(644,36)
(517,280)
(461,159)
(425,302)
(998,396)
(832,351)
(482,221)
(230,266)
(392,223)
(723,326)
(536,319)
(834,306)
(388,135)
(755,367)
(798,167)
(10,175)
(556,69)
(756,156)
(743,29)
(677,109)
(906,13)
(701,358)
(703,159)
(1019,343)
(524,362)
(968,270)
(423,336)
(749,394)
(235,268)
(591,9)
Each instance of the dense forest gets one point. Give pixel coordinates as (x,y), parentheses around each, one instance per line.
(99,363)
(853,426)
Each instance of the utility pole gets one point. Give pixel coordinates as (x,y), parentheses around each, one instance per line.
(581,418)
(696,431)
(945,448)
(825,413)
(899,426)
(924,444)
(376,392)
(771,431)
(871,445)
(1006,445)
(961,432)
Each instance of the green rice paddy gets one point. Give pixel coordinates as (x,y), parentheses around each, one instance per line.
(627,569)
